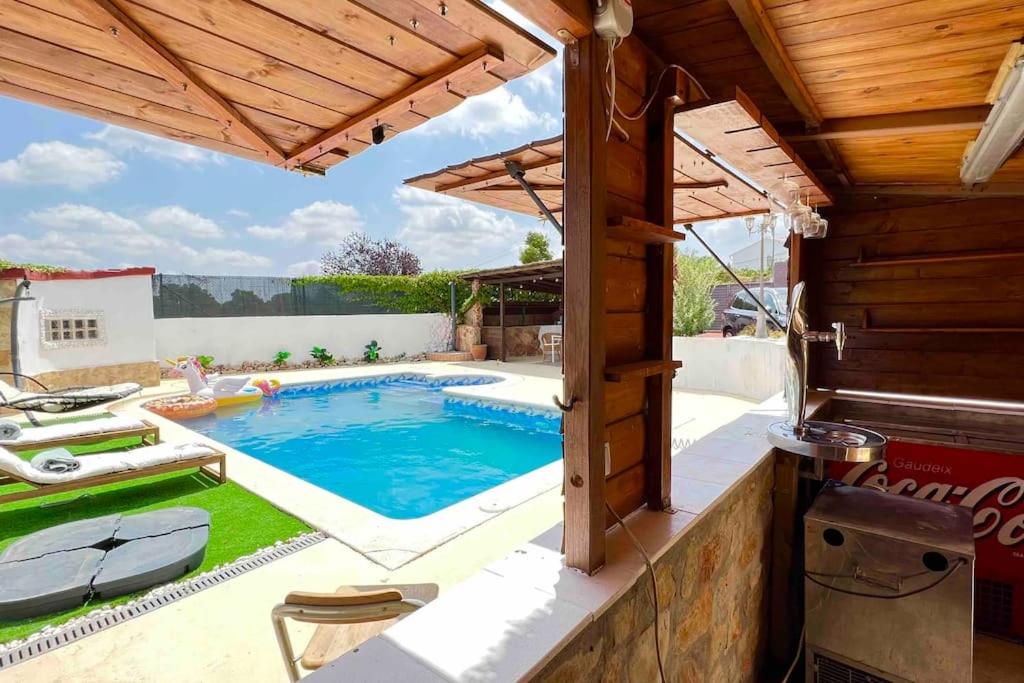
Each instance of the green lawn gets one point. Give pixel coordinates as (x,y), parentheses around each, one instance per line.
(241,522)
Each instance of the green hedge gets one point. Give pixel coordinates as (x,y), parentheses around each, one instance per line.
(426,293)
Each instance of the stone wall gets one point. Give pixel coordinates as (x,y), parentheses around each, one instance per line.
(712,589)
(146,373)
(7,289)
(521,341)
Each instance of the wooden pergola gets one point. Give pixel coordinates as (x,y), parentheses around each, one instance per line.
(869,103)
(543,276)
(299,85)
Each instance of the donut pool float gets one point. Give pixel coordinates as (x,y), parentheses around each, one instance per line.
(246,394)
(181,407)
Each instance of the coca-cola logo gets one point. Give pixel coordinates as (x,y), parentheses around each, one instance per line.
(987,500)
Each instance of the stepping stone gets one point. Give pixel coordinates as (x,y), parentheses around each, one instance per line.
(86,533)
(160,522)
(56,582)
(150,561)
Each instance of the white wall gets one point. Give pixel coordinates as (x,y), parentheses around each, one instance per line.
(740,366)
(127,306)
(235,340)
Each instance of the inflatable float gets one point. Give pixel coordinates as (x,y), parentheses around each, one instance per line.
(226,391)
(181,407)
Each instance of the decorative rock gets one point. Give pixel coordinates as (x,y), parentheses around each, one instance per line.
(148,561)
(160,522)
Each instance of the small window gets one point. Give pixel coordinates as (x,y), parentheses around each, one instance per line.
(71,328)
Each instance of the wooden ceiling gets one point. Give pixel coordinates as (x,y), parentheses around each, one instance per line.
(704,189)
(294,83)
(870,65)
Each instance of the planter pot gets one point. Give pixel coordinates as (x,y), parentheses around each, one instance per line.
(479,351)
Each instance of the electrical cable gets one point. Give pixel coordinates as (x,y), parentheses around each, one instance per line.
(654,587)
(959,563)
(799,651)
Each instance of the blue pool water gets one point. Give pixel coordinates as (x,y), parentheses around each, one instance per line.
(398,446)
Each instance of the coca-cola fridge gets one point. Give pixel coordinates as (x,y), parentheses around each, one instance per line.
(991,485)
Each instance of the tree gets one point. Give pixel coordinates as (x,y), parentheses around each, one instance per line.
(360,254)
(695,276)
(537,248)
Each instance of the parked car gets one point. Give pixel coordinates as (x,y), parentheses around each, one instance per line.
(742,310)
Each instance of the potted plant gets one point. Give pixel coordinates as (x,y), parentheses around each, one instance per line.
(479,351)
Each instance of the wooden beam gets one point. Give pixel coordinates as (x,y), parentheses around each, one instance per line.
(940,190)
(501,321)
(564,19)
(755,21)
(538,187)
(584,340)
(700,186)
(120,27)
(472,183)
(905,123)
(484,58)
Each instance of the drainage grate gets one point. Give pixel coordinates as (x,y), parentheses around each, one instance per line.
(174,593)
(828,670)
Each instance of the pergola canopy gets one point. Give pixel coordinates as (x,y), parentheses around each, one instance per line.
(294,83)
(704,189)
(543,276)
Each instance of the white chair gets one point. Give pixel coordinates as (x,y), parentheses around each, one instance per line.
(550,337)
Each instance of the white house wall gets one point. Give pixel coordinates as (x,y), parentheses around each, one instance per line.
(235,340)
(126,305)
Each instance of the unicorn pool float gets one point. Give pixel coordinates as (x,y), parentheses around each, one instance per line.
(226,391)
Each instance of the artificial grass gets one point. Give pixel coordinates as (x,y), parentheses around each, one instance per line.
(240,522)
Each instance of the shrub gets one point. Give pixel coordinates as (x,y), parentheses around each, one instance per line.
(694,308)
(321,355)
(372,352)
(281,357)
(205,361)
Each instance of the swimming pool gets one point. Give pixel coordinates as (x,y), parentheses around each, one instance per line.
(396,445)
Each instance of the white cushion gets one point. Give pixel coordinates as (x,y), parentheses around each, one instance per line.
(105,463)
(30,435)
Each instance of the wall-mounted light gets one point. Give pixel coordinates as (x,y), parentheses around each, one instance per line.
(378,134)
(1003,131)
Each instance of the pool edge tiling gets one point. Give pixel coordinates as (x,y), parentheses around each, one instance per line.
(388,542)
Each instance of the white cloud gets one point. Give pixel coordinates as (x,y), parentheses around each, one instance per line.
(446,232)
(225,261)
(238,213)
(125,140)
(324,222)
(303,268)
(178,221)
(498,111)
(78,235)
(58,163)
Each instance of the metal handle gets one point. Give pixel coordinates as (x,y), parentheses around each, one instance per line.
(565,408)
(840,338)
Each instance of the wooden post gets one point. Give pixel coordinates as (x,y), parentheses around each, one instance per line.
(501,320)
(584,340)
(660,285)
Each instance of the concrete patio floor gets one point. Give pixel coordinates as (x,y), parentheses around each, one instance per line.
(224,633)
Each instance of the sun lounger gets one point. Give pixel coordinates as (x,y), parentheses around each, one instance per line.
(348,618)
(62,400)
(107,468)
(84,432)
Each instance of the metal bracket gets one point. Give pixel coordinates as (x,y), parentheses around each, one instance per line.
(565,407)
(572,46)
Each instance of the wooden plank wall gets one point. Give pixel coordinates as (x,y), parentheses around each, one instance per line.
(985,290)
(618,296)
(637,188)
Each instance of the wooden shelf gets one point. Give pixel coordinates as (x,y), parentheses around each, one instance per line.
(944,330)
(957,257)
(640,370)
(636,230)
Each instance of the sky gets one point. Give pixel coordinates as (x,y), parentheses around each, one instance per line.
(79,193)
